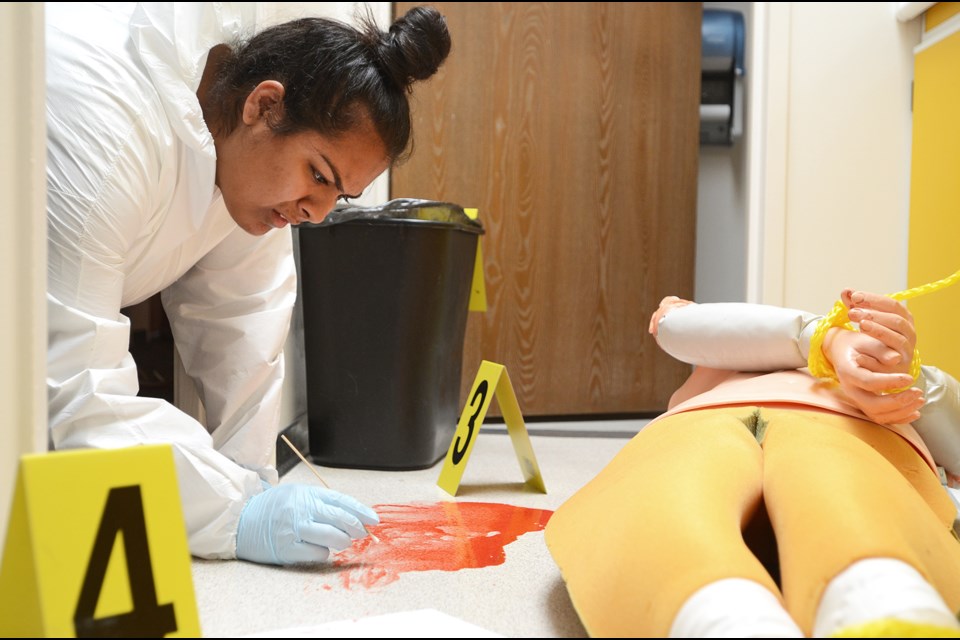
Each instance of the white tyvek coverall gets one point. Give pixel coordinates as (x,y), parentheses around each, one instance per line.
(133,210)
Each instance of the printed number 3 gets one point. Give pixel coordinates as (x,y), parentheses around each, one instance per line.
(481,391)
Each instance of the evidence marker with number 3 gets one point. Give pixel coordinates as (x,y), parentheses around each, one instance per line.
(492,380)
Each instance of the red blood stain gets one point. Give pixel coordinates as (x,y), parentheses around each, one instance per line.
(442,536)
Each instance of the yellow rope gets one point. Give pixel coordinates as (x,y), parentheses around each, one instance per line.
(820,367)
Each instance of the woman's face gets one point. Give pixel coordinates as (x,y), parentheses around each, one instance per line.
(270,181)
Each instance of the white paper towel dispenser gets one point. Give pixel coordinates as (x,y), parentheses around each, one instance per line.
(721,79)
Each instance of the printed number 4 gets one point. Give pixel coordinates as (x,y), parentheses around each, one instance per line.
(124,512)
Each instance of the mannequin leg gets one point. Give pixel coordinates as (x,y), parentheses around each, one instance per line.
(660,522)
(839,490)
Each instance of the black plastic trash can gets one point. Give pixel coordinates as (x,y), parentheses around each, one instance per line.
(385,295)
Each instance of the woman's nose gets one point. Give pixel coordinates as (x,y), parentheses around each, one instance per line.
(315,209)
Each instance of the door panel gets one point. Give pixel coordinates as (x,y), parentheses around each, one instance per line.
(573,128)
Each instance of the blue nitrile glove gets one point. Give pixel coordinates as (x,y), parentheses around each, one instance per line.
(295,523)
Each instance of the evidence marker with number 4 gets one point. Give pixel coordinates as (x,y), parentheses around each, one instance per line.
(315,472)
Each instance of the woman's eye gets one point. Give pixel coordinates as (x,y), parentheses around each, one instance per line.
(318,177)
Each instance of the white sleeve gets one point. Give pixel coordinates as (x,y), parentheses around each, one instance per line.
(230,315)
(101,186)
(738,336)
(92,391)
(939,423)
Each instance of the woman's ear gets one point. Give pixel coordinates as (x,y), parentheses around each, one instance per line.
(264,102)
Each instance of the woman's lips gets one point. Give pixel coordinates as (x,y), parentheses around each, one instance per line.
(278,220)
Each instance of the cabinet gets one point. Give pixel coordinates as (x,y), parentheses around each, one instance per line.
(934,244)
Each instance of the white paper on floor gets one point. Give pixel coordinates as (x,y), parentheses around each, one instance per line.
(421,623)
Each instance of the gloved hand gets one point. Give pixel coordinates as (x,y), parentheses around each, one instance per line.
(296,523)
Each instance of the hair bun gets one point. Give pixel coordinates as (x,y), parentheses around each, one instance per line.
(415,47)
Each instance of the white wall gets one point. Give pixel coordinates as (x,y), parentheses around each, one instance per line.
(829,179)
(23,334)
(721,262)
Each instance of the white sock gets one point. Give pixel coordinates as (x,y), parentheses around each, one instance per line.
(878,588)
(733,608)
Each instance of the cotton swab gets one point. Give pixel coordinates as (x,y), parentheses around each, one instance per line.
(315,472)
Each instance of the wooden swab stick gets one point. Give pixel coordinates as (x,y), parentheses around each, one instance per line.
(315,472)
(305,461)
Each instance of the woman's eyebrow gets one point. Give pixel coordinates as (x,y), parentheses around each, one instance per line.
(336,178)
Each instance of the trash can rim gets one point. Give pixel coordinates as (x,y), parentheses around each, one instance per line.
(449,226)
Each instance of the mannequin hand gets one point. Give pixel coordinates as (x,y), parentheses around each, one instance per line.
(667,305)
(890,323)
(876,358)
(295,523)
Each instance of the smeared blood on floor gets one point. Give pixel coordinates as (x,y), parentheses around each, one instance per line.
(442,536)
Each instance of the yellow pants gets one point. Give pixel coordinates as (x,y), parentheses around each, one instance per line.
(668,515)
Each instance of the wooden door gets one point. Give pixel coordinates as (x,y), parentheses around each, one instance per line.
(573,128)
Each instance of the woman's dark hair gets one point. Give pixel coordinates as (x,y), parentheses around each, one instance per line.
(335,75)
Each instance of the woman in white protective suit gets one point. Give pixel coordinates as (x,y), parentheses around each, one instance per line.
(766,503)
(181,146)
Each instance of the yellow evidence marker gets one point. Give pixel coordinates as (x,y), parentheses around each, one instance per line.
(492,379)
(478,289)
(97,546)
